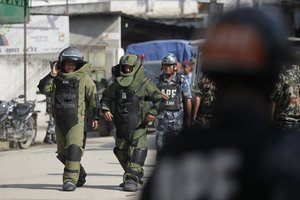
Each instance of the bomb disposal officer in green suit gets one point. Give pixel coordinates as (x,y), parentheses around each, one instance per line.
(127,102)
(72,91)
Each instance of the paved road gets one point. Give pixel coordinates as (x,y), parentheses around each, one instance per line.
(36,174)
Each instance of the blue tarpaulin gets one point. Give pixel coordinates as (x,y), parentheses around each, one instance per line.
(156,49)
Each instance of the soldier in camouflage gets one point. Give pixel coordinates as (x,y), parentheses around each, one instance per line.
(286,98)
(204,102)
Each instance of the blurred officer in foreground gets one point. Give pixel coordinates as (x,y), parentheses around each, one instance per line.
(243,54)
(170,120)
(126,102)
(71,90)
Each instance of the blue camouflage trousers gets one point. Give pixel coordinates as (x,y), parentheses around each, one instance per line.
(168,124)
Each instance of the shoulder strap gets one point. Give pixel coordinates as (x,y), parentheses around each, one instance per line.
(179,78)
(161,78)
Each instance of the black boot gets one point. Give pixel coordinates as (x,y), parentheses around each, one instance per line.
(53,138)
(130,185)
(81,180)
(47,139)
(69,186)
(141,182)
(82,174)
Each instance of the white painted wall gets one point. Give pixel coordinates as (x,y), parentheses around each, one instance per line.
(46,37)
(157,8)
(12,74)
(136,7)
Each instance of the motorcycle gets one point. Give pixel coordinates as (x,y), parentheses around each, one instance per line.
(18,122)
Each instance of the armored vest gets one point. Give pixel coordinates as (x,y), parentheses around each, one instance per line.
(174,92)
(66,102)
(126,115)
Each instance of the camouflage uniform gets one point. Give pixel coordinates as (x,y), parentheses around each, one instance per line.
(206,91)
(287,99)
(171,121)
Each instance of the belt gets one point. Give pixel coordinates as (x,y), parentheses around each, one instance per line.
(289,125)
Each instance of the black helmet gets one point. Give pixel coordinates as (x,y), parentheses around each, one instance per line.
(169,59)
(70,54)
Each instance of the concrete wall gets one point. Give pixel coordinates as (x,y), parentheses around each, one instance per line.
(12,79)
(99,37)
(133,7)
(12,74)
(156,7)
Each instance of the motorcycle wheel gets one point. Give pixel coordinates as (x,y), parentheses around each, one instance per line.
(30,132)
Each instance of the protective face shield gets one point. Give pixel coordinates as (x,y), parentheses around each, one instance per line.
(169,69)
(70,54)
(129,65)
(126,69)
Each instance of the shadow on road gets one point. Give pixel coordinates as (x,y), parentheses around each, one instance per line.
(88,174)
(57,186)
(34,186)
(104,187)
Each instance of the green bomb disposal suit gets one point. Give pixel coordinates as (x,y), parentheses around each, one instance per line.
(71,93)
(131,146)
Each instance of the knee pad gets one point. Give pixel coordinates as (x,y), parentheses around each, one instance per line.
(73,153)
(139,156)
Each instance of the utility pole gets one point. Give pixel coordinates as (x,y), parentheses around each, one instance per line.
(25,49)
(238,3)
(182,7)
(257,3)
(215,10)
(67,8)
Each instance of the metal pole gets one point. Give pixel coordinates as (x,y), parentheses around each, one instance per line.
(238,3)
(67,8)
(257,4)
(213,11)
(25,50)
(182,7)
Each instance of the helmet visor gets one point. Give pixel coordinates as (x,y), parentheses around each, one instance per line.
(126,69)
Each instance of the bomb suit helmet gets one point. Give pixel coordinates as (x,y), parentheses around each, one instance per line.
(71,54)
(130,66)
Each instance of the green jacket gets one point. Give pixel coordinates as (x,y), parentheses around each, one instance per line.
(87,90)
(152,97)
